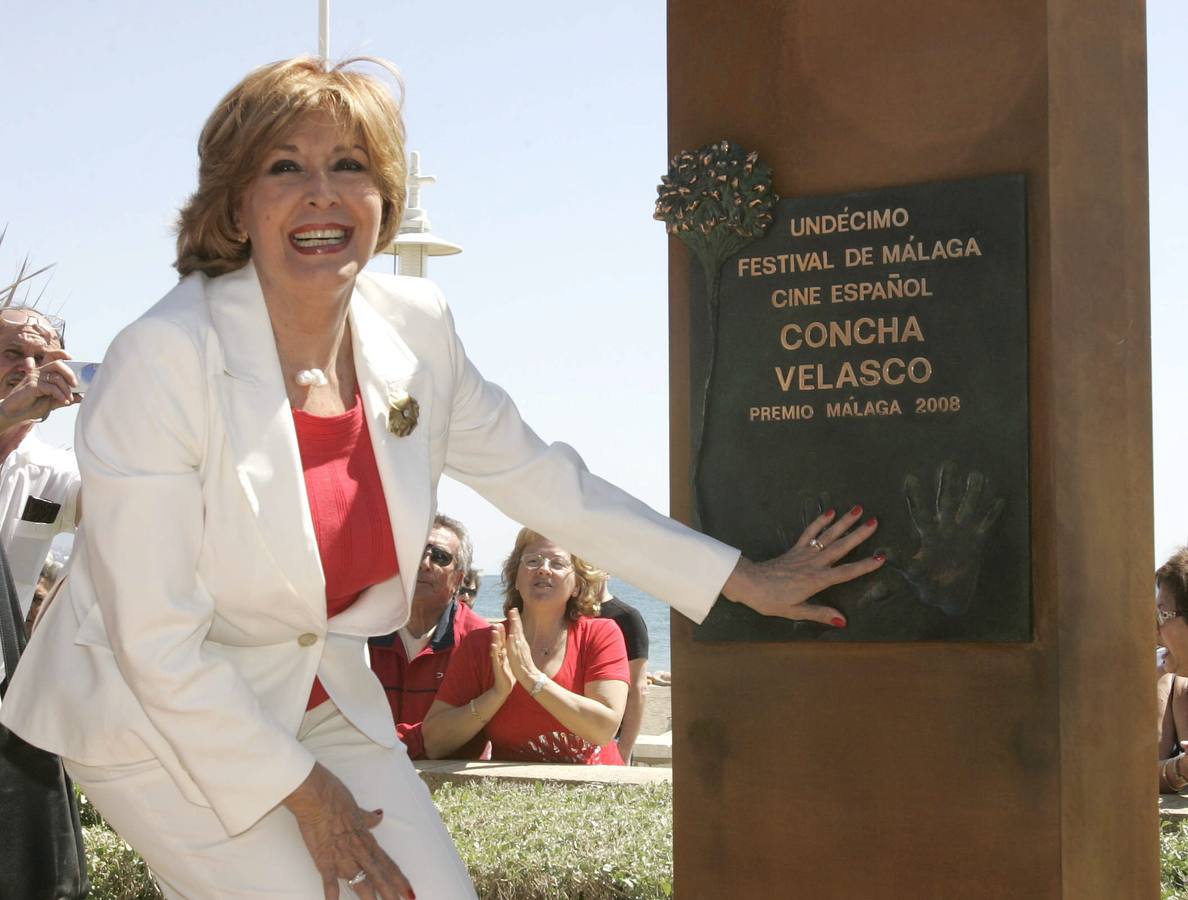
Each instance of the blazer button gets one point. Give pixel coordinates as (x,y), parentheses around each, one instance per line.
(307,639)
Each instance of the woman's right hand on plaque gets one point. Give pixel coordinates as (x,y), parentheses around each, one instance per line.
(783,586)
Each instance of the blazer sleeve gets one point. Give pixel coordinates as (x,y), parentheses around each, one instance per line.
(141,447)
(549,489)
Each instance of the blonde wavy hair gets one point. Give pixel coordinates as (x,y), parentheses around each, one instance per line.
(587,601)
(254,116)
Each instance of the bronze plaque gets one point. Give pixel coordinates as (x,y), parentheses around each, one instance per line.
(872,349)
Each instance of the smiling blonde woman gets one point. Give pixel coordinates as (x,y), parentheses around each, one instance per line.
(260,455)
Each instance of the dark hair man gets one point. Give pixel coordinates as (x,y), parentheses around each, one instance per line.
(468,590)
(635,635)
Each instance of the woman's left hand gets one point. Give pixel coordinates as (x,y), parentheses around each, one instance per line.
(519,654)
(337,834)
(782,586)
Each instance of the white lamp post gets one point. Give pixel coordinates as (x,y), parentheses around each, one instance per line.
(324,30)
(415,242)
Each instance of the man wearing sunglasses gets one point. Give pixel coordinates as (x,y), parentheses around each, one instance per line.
(412,662)
(39,484)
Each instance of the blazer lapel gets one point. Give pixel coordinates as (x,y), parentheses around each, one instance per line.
(260,431)
(387,368)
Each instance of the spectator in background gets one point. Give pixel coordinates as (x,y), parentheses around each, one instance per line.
(39,484)
(551,688)
(1171,606)
(51,571)
(412,662)
(468,592)
(635,636)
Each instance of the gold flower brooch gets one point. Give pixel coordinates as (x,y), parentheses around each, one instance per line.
(403,412)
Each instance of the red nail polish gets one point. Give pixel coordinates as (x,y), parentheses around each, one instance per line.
(837,622)
(880,556)
(856,511)
(830,513)
(871,521)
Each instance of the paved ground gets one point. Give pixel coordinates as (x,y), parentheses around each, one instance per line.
(658,711)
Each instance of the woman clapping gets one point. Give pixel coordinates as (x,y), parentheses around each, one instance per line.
(551,688)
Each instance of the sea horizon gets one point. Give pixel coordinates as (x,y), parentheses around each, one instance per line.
(489,604)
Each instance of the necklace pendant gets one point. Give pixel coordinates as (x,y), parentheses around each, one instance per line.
(311,378)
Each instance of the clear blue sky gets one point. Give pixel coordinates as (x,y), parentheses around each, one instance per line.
(545,123)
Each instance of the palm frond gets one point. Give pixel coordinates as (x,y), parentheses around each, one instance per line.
(23,277)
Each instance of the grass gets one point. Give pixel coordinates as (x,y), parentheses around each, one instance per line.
(528,841)
(1173,860)
(520,842)
(117,871)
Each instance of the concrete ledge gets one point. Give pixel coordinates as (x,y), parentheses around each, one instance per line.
(653,750)
(435,772)
(1173,808)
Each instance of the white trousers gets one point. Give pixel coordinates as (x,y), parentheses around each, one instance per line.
(193,858)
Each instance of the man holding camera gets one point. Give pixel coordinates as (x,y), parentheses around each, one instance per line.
(39,484)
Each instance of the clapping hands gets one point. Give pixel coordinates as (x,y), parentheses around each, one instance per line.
(519,654)
(505,678)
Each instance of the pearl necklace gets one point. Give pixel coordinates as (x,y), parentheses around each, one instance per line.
(311,378)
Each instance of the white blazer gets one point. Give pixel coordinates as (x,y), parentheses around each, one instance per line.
(194,618)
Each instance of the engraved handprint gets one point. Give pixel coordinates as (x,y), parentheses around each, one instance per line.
(953,525)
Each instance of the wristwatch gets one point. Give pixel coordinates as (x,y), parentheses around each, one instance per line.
(537,686)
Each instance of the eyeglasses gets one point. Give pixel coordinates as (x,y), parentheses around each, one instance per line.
(1163,616)
(49,327)
(437,555)
(537,561)
(468,592)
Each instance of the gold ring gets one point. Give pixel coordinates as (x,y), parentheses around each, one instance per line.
(816,545)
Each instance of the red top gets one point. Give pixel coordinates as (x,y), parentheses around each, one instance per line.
(411,684)
(523,730)
(346,502)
